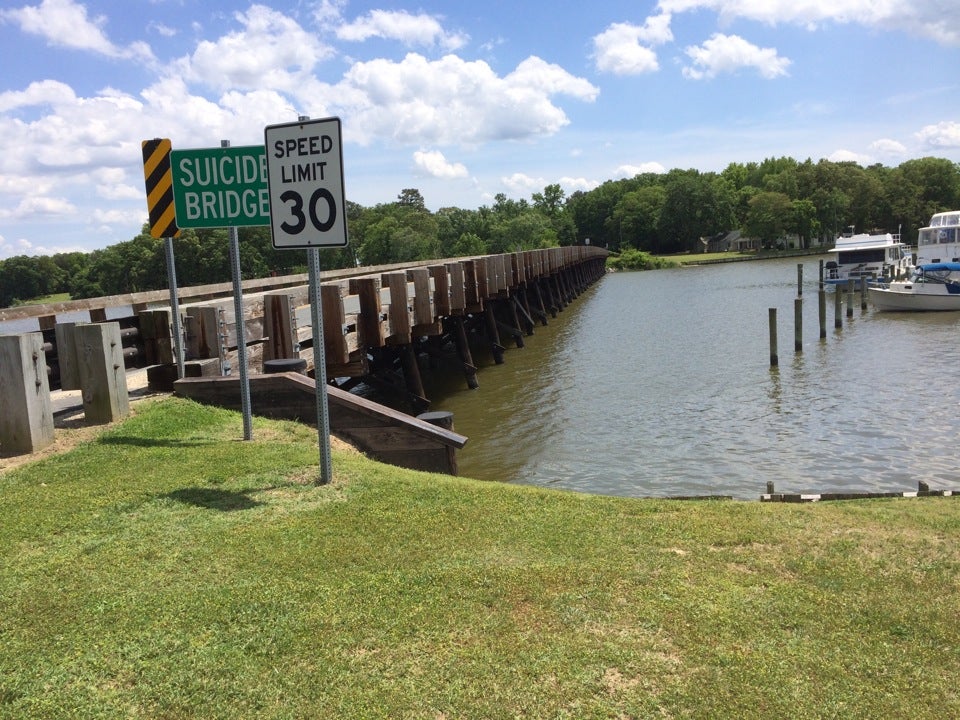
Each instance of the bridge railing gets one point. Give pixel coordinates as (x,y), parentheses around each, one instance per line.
(362,308)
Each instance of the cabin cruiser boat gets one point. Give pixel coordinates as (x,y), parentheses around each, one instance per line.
(932,286)
(868,258)
(939,242)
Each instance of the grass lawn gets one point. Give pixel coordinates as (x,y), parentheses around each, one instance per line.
(168,569)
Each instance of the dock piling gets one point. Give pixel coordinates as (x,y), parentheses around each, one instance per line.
(772,321)
(798,325)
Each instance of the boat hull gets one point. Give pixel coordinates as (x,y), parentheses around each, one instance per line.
(894,299)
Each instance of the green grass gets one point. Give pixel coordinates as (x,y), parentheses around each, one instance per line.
(170,570)
(45,299)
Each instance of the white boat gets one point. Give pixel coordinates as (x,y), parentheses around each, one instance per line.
(868,258)
(933,286)
(939,242)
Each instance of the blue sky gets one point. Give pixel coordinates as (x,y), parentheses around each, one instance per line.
(462,100)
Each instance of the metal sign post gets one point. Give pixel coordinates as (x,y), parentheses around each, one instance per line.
(319,367)
(174,306)
(241,331)
(308,211)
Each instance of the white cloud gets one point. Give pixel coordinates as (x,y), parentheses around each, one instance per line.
(850,156)
(571,185)
(729,53)
(44,92)
(119,217)
(521,184)
(618,49)
(629,171)
(65,23)
(451,101)
(328,11)
(888,147)
(271,51)
(927,18)
(941,136)
(162,30)
(38,205)
(423,30)
(433,163)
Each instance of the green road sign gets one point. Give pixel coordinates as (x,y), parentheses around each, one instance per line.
(220,187)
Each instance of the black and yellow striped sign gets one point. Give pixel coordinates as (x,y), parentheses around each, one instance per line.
(159,181)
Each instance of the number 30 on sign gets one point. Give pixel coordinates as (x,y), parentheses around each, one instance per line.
(305,180)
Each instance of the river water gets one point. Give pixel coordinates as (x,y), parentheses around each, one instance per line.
(660,384)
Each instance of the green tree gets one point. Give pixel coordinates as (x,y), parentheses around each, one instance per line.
(636,218)
(769,217)
(803,221)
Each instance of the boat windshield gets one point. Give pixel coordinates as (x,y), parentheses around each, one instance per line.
(935,275)
(856,257)
(937,235)
(942,219)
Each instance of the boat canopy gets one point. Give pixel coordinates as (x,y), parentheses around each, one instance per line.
(940,267)
(864,242)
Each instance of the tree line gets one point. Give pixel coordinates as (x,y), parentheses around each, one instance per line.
(655,213)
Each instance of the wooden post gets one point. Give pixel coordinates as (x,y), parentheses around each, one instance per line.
(103,379)
(772,321)
(205,340)
(370,318)
(463,350)
(798,324)
(458,298)
(398,310)
(863,294)
(837,309)
(821,275)
(441,290)
(26,423)
(279,327)
(850,297)
(67,355)
(333,334)
(822,311)
(157,338)
(799,279)
(493,334)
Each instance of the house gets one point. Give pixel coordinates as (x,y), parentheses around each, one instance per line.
(729,241)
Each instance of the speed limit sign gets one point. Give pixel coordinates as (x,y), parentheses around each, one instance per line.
(305,181)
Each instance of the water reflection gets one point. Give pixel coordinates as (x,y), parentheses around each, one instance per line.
(659,384)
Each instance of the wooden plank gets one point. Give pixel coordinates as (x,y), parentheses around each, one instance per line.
(518,270)
(156,335)
(385,434)
(441,290)
(67,356)
(26,422)
(470,286)
(370,318)
(204,339)
(458,299)
(482,267)
(422,305)
(398,311)
(279,327)
(335,346)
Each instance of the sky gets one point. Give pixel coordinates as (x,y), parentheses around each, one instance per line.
(460,100)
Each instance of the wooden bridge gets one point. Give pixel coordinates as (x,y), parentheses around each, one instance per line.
(379,324)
